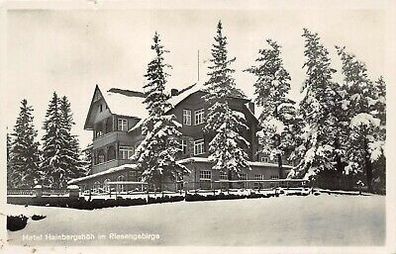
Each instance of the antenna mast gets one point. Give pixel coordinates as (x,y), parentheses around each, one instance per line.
(198,65)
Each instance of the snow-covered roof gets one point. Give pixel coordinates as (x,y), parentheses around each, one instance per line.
(105,172)
(174,100)
(126,103)
(250,163)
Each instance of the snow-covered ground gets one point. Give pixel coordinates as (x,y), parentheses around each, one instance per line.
(313,220)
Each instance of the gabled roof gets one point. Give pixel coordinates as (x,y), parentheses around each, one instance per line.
(120,102)
(183,94)
(126,103)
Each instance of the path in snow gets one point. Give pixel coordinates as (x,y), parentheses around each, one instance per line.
(314,220)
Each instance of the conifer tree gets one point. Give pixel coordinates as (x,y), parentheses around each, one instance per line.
(378,150)
(53,142)
(320,149)
(24,153)
(156,154)
(70,150)
(8,145)
(227,148)
(365,107)
(278,112)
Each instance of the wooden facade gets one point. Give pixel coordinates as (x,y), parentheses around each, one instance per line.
(116,132)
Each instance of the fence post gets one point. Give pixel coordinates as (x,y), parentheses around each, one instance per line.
(38,190)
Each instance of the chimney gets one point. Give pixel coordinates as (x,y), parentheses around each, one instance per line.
(174,92)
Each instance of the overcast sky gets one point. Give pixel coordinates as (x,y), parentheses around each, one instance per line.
(71,51)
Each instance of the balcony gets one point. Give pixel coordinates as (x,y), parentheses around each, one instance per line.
(111,137)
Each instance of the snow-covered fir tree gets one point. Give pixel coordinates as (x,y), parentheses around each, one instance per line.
(278,112)
(227,148)
(320,149)
(54,165)
(24,154)
(70,149)
(365,107)
(156,154)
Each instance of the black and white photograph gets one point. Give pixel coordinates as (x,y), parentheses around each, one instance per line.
(231,124)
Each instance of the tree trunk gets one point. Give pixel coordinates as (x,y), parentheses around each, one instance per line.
(369,173)
(339,164)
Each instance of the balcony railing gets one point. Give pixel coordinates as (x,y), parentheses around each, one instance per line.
(111,137)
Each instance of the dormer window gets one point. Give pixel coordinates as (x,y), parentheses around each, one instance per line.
(122,124)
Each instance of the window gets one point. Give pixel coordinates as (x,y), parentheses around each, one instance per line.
(101,157)
(122,124)
(100,107)
(199,116)
(273,177)
(199,147)
(223,176)
(242,176)
(97,97)
(106,186)
(186,117)
(264,159)
(205,175)
(183,144)
(98,133)
(126,152)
